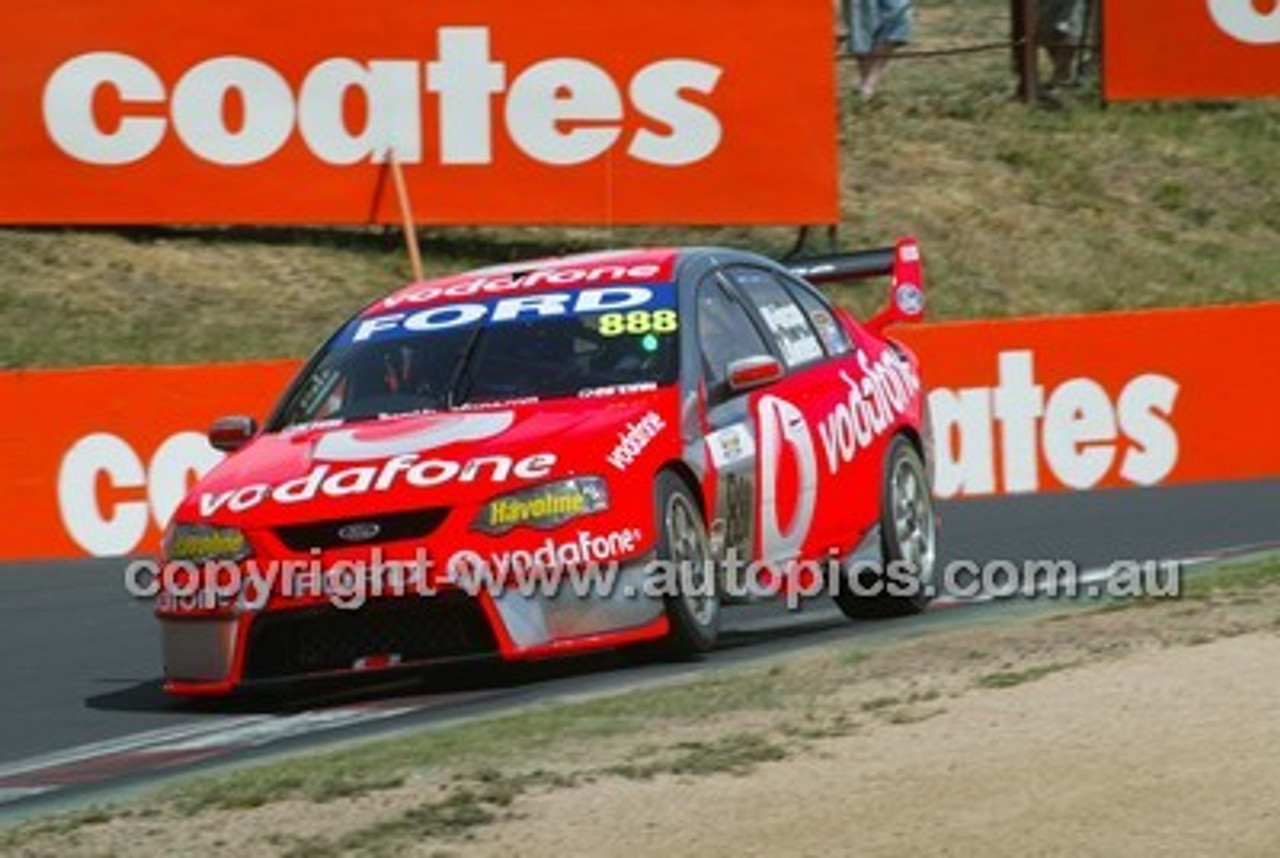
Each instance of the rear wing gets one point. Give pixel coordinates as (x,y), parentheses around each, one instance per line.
(901,262)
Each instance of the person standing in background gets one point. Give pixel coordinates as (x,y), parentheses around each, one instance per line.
(1060,30)
(876,28)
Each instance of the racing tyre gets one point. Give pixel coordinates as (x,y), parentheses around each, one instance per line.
(693,608)
(908,543)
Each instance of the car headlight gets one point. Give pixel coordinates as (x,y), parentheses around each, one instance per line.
(200,542)
(543,507)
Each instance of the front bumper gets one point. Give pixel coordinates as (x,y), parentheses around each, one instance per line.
(215,655)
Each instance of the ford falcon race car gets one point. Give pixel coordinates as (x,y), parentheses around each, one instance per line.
(559,456)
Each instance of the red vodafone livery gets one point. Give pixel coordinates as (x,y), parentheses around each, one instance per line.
(558,456)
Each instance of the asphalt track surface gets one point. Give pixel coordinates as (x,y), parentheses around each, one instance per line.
(81,711)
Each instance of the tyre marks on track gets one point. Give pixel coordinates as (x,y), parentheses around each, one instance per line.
(174,747)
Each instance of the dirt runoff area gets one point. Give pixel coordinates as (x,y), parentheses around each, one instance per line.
(1175,752)
(1148,728)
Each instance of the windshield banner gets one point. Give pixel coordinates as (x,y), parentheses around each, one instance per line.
(599,303)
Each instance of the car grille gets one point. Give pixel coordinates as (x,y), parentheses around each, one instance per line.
(392,527)
(319,640)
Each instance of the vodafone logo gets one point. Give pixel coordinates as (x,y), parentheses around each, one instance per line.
(406,470)
(1076,429)
(235,111)
(108,494)
(783,431)
(512,280)
(876,400)
(1245,21)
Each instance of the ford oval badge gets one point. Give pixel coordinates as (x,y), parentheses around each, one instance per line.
(361,531)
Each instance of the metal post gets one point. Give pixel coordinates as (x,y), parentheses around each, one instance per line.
(1030,48)
(1023,18)
(406,217)
(1101,55)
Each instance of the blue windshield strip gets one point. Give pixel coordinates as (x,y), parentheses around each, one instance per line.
(509,309)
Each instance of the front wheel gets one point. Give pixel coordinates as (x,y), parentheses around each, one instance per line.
(908,543)
(693,604)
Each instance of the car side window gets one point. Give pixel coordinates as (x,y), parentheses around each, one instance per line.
(725,332)
(822,317)
(786,323)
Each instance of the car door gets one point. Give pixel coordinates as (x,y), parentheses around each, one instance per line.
(727,333)
(810,504)
(850,461)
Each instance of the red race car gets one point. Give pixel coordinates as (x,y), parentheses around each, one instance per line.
(560,456)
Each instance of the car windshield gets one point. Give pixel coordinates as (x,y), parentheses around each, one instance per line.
(462,354)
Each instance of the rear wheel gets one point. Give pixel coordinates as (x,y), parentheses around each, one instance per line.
(693,603)
(908,543)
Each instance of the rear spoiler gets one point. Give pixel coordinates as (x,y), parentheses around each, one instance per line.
(901,262)
(843,267)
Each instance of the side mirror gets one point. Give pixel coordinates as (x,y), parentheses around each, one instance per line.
(751,372)
(906,292)
(229,434)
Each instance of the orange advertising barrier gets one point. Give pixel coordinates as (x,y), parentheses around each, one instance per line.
(94,461)
(1118,399)
(1191,49)
(566,111)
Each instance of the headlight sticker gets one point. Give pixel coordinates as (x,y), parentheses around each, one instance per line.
(196,542)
